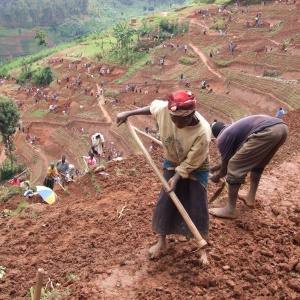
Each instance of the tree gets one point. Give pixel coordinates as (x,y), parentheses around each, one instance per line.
(40,36)
(9,121)
(123,34)
(43,76)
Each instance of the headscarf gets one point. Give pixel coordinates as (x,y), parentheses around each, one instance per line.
(181,103)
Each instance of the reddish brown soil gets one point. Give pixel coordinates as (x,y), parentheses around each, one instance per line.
(89,249)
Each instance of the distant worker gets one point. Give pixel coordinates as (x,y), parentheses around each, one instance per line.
(97,143)
(15,181)
(90,160)
(280,112)
(62,168)
(51,174)
(181,78)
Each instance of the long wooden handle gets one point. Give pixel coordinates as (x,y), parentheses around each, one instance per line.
(59,183)
(200,241)
(217,192)
(147,135)
(39,283)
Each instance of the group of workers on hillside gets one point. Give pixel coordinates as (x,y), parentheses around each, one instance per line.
(246,146)
(62,171)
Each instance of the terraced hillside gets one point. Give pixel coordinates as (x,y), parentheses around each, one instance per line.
(93,242)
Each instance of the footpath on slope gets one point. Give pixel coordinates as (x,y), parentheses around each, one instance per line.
(204,58)
(101,104)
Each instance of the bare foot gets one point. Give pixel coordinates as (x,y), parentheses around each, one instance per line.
(203,257)
(159,246)
(246,200)
(223,212)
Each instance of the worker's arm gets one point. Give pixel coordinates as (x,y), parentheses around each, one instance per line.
(222,172)
(216,167)
(173,182)
(122,117)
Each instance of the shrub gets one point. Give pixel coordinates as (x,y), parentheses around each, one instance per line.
(43,76)
(274,73)
(24,76)
(6,172)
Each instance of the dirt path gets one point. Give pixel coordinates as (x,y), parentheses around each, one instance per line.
(101,105)
(196,23)
(204,58)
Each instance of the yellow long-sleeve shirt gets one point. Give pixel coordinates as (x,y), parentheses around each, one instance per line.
(187,148)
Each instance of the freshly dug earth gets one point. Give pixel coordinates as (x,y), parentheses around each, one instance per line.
(93,242)
(92,251)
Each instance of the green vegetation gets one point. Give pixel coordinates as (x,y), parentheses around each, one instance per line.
(174,27)
(28,13)
(40,36)
(24,77)
(97,187)
(224,63)
(9,121)
(53,294)
(280,90)
(43,76)
(223,104)
(38,113)
(7,172)
(28,60)
(9,192)
(186,61)
(63,21)
(39,76)
(20,207)
(111,93)
(271,73)
(156,79)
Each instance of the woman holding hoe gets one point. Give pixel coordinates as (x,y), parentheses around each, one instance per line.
(185,135)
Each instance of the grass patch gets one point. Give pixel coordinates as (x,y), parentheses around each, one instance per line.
(186,61)
(156,79)
(91,114)
(20,208)
(53,294)
(5,67)
(39,113)
(134,68)
(223,63)
(97,187)
(8,192)
(111,94)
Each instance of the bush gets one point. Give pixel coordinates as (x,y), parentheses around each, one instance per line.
(173,27)
(43,77)
(6,172)
(24,76)
(274,73)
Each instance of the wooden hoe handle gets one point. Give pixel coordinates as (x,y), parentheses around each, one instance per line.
(200,241)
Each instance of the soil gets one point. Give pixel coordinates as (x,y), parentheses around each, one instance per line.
(93,242)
